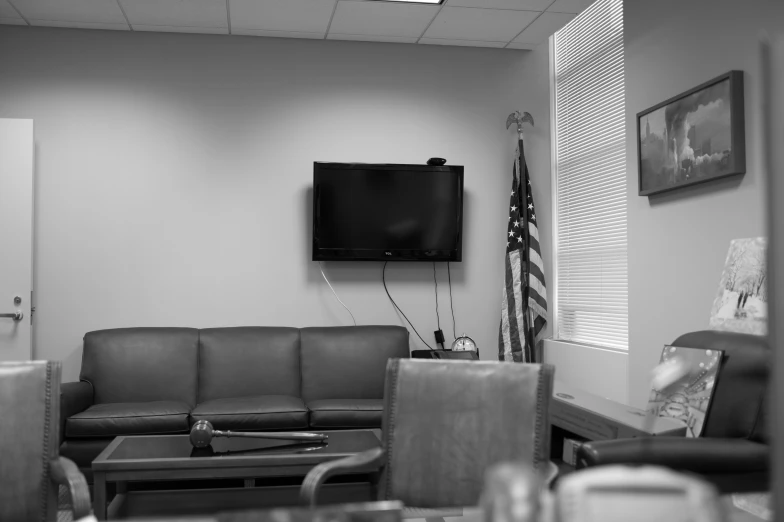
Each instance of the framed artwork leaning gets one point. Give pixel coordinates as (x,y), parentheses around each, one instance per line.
(694,137)
(688,400)
(741,303)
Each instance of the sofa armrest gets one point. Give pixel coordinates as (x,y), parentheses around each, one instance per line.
(75,397)
(706,456)
(370,460)
(65,473)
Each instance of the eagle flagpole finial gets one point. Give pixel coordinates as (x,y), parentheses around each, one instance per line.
(519,118)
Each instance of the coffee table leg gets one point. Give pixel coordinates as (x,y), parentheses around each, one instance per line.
(99,495)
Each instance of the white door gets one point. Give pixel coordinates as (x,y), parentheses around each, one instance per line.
(16,238)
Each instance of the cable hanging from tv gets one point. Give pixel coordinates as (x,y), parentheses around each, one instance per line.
(336,294)
(451,303)
(384,281)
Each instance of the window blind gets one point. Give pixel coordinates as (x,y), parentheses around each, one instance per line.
(591,289)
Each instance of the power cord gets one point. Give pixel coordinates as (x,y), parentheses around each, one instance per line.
(438,333)
(336,294)
(451,304)
(384,280)
(438,318)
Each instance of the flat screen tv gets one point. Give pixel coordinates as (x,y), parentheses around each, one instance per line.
(386,212)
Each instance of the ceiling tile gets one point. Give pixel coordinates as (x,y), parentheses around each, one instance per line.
(6,11)
(541,29)
(180,29)
(462,43)
(11,21)
(179,13)
(489,25)
(277,34)
(382,18)
(515,45)
(92,11)
(372,38)
(80,25)
(309,16)
(520,5)
(569,6)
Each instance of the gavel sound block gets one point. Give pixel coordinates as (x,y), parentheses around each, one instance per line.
(202,434)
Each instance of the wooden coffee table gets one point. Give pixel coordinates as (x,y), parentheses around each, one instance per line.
(152,458)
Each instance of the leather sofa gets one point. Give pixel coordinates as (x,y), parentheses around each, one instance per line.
(144,381)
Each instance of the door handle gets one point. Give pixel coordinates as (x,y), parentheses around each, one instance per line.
(16,316)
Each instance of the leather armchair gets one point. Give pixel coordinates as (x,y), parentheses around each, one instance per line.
(732,452)
(31,466)
(445,423)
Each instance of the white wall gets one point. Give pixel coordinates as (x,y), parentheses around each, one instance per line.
(678,242)
(173,176)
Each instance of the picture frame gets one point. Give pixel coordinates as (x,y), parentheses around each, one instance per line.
(694,137)
(689,400)
(741,303)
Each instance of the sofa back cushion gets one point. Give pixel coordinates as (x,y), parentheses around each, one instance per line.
(141,364)
(248,361)
(349,362)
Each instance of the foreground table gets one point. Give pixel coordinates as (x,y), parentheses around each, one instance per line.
(171,457)
(393,512)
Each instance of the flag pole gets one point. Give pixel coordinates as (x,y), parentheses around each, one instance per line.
(526,251)
(519,118)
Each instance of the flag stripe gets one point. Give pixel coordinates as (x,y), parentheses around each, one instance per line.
(534,243)
(536,272)
(536,285)
(534,233)
(536,260)
(504,337)
(518,319)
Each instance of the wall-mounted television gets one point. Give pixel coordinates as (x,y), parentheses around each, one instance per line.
(387,212)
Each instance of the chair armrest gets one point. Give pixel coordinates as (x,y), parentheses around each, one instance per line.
(65,472)
(699,455)
(370,460)
(75,397)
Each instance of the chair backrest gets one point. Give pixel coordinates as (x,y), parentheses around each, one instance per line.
(446,422)
(29,431)
(737,409)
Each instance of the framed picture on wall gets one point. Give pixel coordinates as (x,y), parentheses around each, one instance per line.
(694,137)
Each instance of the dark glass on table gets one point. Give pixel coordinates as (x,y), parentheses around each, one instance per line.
(179,446)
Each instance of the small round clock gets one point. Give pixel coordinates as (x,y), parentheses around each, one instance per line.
(464,343)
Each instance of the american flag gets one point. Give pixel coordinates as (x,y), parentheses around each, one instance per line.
(524,307)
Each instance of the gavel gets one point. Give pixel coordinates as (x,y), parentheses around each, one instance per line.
(202,434)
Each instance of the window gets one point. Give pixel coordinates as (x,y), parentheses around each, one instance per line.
(591,282)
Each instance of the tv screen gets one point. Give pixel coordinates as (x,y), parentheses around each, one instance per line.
(380,212)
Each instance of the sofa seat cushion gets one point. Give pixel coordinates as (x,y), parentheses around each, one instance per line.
(129,418)
(346,413)
(263,412)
